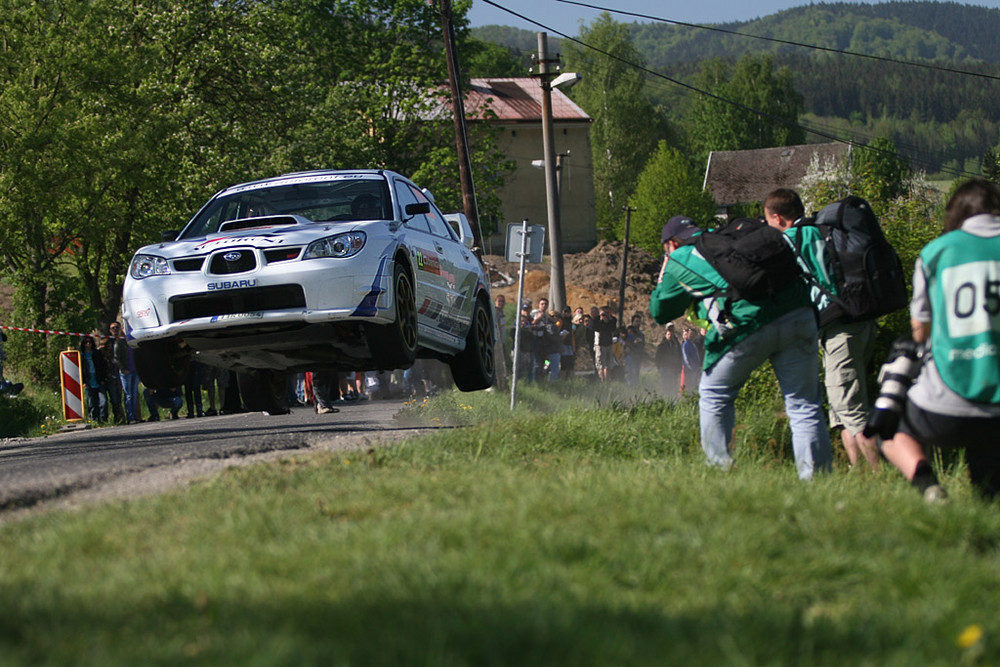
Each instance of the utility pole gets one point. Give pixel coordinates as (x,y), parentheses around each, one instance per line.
(469,204)
(557,279)
(621,286)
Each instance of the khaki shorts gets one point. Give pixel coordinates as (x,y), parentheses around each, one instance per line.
(847,349)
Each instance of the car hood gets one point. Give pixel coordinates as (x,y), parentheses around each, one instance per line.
(262,232)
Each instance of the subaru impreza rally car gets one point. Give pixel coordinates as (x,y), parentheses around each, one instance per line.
(346,270)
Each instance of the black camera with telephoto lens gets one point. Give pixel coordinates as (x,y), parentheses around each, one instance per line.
(895,379)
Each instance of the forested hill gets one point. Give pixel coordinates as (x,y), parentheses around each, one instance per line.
(939,31)
(939,119)
(936,31)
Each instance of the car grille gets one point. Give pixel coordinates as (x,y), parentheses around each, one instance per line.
(192,264)
(229,302)
(232,261)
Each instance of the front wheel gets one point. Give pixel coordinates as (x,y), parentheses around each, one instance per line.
(395,345)
(474,368)
(162,364)
(264,391)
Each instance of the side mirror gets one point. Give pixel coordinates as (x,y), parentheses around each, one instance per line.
(169,235)
(417,208)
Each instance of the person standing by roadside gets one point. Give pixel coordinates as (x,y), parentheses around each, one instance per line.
(848,348)
(545,344)
(212,376)
(636,342)
(501,351)
(192,389)
(326,391)
(955,400)
(112,380)
(93,372)
(605,329)
(691,362)
(127,373)
(668,363)
(780,329)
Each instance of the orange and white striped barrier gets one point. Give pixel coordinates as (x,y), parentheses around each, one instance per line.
(71,379)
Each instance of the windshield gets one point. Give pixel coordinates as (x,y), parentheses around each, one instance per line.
(319,200)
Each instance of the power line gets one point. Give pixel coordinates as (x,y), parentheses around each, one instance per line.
(699,91)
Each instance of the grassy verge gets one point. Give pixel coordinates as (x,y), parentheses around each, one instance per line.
(561,534)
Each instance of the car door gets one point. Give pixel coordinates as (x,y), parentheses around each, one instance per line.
(458,272)
(426,253)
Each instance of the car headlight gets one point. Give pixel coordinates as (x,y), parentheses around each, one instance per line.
(341,245)
(144,266)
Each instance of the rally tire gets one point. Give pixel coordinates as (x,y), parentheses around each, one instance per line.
(395,345)
(475,367)
(162,364)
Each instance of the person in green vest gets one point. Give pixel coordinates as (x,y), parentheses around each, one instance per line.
(848,347)
(955,311)
(743,335)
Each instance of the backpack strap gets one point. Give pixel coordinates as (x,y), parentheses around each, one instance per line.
(719,312)
(812,280)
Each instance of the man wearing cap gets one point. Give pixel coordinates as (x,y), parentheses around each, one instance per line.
(742,336)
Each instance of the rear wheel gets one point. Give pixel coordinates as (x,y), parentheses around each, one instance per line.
(395,345)
(264,391)
(474,367)
(162,364)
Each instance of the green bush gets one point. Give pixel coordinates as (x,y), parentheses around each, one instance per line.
(29,413)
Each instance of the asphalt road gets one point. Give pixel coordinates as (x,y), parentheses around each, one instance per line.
(80,466)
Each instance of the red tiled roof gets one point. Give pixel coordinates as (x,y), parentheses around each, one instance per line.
(519,100)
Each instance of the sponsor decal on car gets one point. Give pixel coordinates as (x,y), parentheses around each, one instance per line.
(209,244)
(429,262)
(431,309)
(232,284)
(303,179)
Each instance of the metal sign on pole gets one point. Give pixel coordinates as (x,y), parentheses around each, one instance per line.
(531,242)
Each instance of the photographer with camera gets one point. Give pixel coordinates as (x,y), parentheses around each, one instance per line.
(955,313)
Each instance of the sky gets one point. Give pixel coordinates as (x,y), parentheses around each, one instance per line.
(556,16)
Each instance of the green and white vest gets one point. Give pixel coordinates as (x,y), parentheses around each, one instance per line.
(963,283)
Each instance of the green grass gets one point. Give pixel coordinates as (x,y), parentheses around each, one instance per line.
(561,534)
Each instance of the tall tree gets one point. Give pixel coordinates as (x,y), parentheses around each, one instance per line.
(626,125)
(750,106)
(118,121)
(669,185)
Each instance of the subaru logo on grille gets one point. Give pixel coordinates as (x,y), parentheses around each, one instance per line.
(232,256)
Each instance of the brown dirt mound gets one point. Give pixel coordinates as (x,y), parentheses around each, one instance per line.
(592,278)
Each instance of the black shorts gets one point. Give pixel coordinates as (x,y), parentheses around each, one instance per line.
(979,436)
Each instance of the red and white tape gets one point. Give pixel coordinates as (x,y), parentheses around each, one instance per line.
(44,331)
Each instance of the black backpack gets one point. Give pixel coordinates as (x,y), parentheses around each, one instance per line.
(756,260)
(866,269)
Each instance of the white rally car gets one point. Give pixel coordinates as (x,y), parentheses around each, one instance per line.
(346,270)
